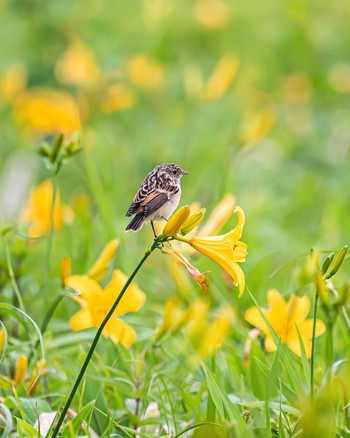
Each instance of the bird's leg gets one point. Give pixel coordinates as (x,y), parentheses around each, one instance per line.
(154,231)
(164,218)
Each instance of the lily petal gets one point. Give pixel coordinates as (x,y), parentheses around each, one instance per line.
(88,288)
(177,221)
(133,299)
(99,269)
(81,320)
(120,331)
(219,216)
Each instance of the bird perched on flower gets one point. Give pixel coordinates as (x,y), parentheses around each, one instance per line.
(158,196)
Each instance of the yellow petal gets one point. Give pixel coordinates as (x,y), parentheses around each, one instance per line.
(303,309)
(278,314)
(222,78)
(176,221)
(234,235)
(218,330)
(20,369)
(145,73)
(81,320)
(193,221)
(89,289)
(270,344)
(197,275)
(3,338)
(240,251)
(99,269)
(305,328)
(294,345)
(219,216)
(133,299)
(66,266)
(253,316)
(120,331)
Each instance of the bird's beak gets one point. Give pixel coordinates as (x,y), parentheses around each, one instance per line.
(184,172)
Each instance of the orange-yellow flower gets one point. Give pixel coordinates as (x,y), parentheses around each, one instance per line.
(286,319)
(258,127)
(222,78)
(117,98)
(214,14)
(77,66)
(219,216)
(197,275)
(47,111)
(13,82)
(38,210)
(145,73)
(95,304)
(226,249)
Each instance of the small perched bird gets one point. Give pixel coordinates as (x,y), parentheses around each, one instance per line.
(158,196)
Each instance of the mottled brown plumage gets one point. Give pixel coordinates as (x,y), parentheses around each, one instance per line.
(158,196)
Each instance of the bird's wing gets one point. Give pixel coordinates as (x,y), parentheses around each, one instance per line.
(152,201)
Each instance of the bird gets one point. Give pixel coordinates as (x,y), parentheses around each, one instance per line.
(157,197)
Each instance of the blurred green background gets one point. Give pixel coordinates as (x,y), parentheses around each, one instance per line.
(272,127)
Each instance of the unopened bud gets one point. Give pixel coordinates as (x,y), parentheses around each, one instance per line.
(327,263)
(193,221)
(338,261)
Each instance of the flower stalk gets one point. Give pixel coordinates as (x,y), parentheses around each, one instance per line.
(148,252)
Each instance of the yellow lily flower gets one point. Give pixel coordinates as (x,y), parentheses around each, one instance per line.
(213,14)
(198,276)
(3,338)
(285,318)
(193,221)
(38,210)
(95,304)
(226,250)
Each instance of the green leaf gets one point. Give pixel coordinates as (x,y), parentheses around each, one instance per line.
(6,415)
(25,429)
(78,420)
(222,402)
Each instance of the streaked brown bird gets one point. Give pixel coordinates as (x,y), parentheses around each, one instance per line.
(157,198)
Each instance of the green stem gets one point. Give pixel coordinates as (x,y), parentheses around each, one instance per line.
(312,364)
(52,218)
(211,409)
(97,337)
(12,275)
(329,344)
(46,321)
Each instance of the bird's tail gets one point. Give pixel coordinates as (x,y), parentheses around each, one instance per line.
(136,223)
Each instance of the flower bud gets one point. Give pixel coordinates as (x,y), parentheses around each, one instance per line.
(338,261)
(193,221)
(176,222)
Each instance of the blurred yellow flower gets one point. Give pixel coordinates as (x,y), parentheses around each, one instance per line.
(77,66)
(96,303)
(226,250)
(219,216)
(339,78)
(214,14)
(20,369)
(65,268)
(39,371)
(47,111)
(222,78)
(286,319)
(3,338)
(298,87)
(116,98)
(206,334)
(145,73)
(100,267)
(38,210)
(198,276)
(13,82)
(257,127)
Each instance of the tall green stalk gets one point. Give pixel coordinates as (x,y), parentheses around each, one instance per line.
(97,337)
(312,364)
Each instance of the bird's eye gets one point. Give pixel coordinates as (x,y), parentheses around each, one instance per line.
(174,172)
